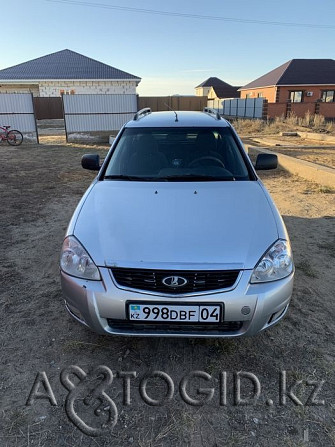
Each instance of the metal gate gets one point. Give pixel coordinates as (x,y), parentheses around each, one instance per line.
(97,113)
(17,111)
(48,108)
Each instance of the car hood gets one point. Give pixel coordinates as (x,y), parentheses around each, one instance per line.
(210,224)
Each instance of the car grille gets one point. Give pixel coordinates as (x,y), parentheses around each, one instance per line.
(196,281)
(126,326)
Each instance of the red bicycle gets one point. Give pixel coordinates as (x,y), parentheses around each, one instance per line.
(13,137)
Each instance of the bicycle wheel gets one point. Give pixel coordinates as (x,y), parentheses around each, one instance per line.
(14,138)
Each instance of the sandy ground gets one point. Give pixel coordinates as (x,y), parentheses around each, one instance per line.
(324,156)
(321,153)
(39,188)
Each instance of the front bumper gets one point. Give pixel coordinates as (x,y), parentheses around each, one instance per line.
(101,305)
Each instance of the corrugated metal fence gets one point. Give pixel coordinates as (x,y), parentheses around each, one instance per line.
(17,111)
(97,113)
(244,108)
(216,104)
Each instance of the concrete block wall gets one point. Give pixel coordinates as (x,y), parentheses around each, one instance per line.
(19,88)
(54,88)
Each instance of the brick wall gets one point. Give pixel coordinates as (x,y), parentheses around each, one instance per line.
(284,93)
(276,110)
(268,93)
(327,109)
(300,109)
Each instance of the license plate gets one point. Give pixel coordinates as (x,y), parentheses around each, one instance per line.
(171,313)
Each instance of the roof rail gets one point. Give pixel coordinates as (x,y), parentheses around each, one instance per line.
(142,112)
(212,112)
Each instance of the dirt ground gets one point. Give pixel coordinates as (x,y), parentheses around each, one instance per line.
(316,152)
(324,155)
(39,188)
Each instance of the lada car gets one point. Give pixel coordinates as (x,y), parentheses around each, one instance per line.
(177,235)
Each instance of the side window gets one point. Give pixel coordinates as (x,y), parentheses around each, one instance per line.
(296,96)
(328,96)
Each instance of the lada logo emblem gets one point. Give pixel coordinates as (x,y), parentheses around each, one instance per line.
(174,281)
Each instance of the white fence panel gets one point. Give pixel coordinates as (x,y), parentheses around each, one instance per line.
(230,106)
(259,105)
(233,107)
(215,104)
(249,107)
(243,108)
(100,104)
(17,111)
(23,123)
(93,113)
(96,123)
(226,105)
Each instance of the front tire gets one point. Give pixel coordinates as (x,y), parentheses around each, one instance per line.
(14,138)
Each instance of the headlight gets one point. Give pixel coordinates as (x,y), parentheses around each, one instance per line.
(75,260)
(277,263)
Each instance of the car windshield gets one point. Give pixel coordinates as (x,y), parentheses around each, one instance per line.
(177,154)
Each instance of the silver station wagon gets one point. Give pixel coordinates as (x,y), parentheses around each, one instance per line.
(177,235)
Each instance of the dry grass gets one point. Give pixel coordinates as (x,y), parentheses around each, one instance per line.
(316,123)
(312,121)
(60,140)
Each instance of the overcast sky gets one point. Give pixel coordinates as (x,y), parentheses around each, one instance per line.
(168,45)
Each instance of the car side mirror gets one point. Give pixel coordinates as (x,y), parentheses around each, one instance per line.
(91,161)
(266,161)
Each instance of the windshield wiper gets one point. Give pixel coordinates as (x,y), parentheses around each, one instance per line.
(172,178)
(197,177)
(129,177)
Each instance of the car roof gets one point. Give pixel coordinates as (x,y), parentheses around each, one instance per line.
(185,119)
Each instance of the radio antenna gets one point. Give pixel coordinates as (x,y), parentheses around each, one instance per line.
(167,105)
